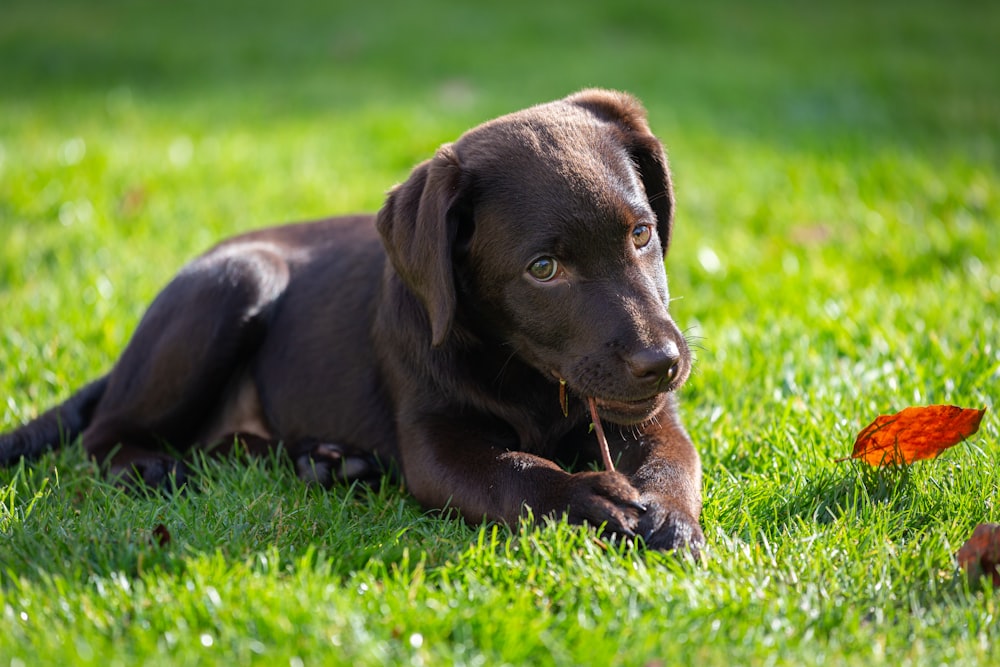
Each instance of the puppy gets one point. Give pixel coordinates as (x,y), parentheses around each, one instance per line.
(455,338)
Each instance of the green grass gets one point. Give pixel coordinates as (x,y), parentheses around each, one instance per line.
(837,255)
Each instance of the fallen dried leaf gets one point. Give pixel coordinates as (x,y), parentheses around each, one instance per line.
(980,555)
(161,536)
(914,434)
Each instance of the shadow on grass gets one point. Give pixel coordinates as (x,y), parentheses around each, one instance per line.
(855,494)
(58,518)
(830,498)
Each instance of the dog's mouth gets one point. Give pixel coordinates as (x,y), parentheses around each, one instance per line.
(625,412)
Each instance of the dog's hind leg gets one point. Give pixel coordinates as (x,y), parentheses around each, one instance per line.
(196,337)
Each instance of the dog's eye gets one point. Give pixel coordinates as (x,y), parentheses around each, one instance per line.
(641,234)
(544,269)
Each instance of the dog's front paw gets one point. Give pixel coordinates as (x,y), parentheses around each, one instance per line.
(669,529)
(603,498)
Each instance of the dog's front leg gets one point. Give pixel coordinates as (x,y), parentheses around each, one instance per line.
(452,464)
(662,463)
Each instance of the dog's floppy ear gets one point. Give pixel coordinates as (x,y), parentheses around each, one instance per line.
(418,224)
(651,161)
(643,147)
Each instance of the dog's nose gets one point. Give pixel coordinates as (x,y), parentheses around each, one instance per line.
(656,363)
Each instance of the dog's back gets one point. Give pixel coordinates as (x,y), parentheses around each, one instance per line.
(316,284)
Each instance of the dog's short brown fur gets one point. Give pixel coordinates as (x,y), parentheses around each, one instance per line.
(431,339)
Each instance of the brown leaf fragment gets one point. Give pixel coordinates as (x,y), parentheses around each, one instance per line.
(980,555)
(914,434)
(161,536)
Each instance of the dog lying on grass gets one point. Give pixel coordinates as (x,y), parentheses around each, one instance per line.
(456,338)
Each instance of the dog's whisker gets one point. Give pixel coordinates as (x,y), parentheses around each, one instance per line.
(686,332)
(658,196)
(503,367)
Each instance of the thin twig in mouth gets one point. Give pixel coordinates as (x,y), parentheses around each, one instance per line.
(602,441)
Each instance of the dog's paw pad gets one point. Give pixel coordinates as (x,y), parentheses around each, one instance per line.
(152,472)
(328,463)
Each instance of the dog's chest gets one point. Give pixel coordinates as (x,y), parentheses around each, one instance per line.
(538,427)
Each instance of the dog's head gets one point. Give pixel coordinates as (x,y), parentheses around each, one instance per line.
(546,230)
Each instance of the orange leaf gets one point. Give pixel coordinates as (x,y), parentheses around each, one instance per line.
(915,434)
(980,555)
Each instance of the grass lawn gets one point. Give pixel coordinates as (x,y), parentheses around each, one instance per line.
(837,252)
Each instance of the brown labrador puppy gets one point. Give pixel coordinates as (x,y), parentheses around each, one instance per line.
(432,339)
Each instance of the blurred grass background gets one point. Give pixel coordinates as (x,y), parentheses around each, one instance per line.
(818,150)
(837,250)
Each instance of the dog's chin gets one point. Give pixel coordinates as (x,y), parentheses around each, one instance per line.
(629,413)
